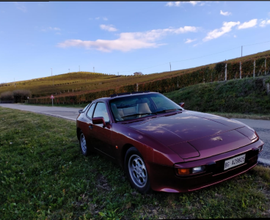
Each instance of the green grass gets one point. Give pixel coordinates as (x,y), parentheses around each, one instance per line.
(245,96)
(44,176)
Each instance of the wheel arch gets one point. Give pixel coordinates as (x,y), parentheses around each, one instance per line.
(78,133)
(123,153)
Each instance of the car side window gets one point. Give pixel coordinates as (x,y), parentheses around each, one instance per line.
(90,112)
(101,111)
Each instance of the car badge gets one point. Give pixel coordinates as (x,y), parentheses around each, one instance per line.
(218,138)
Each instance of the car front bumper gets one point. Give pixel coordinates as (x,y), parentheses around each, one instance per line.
(165,179)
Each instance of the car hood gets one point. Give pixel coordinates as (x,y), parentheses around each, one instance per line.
(194,134)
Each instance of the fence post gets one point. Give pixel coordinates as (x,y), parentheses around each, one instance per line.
(265,66)
(225,71)
(240,70)
(254,65)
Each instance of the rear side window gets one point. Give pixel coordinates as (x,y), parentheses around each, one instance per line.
(90,112)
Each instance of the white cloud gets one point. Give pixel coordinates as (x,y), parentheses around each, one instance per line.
(50,29)
(188,41)
(225,13)
(264,23)
(248,24)
(178,3)
(21,7)
(54,29)
(170,4)
(101,18)
(227,27)
(194,2)
(108,27)
(128,41)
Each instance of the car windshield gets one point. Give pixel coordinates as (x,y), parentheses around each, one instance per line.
(138,106)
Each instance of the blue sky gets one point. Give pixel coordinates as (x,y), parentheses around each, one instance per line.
(38,39)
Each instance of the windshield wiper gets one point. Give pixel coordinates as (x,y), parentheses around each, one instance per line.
(136,115)
(167,110)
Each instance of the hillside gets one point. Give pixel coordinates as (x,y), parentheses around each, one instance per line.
(80,87)
(248,96)
(79,83)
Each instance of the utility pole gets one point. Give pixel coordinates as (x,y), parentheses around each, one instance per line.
(240,70)
(241,51)
(51,75)
(68,70)
(254,68)
(170,67)
(225,71)
(265,66)
(93,69)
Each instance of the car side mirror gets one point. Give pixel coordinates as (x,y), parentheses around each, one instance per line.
(99,120)
(182,104)
(80,111)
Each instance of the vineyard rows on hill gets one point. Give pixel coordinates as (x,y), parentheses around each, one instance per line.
(82,87)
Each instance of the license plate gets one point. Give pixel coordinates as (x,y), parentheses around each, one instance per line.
(234,161)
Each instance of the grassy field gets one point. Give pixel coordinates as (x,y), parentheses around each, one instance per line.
(44,176)
(246,96)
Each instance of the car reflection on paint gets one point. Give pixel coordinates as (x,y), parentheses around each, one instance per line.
(163,147)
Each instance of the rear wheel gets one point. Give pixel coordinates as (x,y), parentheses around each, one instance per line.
(83,145)
(136,171)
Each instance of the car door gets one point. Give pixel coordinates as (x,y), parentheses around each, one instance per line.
(87,126)
(101,135)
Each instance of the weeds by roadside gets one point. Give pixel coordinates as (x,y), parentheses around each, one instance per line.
(44,176)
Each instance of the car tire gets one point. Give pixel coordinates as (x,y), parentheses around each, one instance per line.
(83,144)
(136,171)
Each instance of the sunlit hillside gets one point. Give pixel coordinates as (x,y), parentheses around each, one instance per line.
(79,83)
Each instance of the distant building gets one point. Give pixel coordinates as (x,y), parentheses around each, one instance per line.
(138,74)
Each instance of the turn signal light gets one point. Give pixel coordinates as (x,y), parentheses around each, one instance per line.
(183,171)
(187,171)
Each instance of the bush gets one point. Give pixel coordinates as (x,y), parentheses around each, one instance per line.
(7,97)
(15,96)
(21,95)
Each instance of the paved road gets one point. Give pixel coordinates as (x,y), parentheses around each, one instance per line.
(62,112)
(262,127)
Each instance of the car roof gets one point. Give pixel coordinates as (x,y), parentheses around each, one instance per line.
(115,96)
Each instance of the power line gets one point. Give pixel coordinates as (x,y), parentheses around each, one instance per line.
(256,43)
(201,56)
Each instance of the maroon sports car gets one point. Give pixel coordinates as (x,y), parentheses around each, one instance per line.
(164,147)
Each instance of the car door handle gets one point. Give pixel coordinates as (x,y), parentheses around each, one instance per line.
(91,127)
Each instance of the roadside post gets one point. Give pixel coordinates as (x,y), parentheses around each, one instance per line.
(52,97)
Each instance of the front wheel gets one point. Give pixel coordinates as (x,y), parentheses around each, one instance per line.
(83,145)
(136,171)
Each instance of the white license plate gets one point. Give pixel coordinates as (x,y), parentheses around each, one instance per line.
(234,161)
